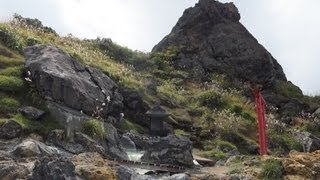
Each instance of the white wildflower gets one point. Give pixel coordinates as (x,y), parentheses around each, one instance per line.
(29,73)
(28,79)
(96,99)
(81,112)
(103,91)
(103,104)
(108,98)
(122,115)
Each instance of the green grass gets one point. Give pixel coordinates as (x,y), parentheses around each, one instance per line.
(42,126)
(288,90)
(282,142)
(94,128)
(180,132)
(8,104)
(128,125)
(272,169)
(7,62)
(10,83)
(12,71)
(211,154)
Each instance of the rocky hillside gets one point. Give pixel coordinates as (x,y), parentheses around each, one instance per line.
(65,102)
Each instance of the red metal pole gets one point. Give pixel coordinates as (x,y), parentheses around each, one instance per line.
(260,108)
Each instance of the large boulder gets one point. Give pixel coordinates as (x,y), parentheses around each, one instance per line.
(209,38)
(172,149)
(63,80)
(31,147)
(56,168)
(10,130)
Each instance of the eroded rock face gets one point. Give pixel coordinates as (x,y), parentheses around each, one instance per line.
(63,80)
(172,149)
(210,39)
(10,130)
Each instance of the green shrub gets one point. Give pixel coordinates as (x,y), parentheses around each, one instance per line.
(239,111)
(12,71)
(272,169)
(213,100)
(8,104)
(10,83)
(10,39)
(30,41)
(128,125)
(94,128)
(7,62)
(283,142)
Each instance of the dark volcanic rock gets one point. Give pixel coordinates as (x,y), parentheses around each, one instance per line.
(56,168)
(135,107)
(31,112)
(210,39)
(31,147)
(172,149)
(63,80)
(10,130)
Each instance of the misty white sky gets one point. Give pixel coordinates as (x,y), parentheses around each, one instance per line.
(289,29)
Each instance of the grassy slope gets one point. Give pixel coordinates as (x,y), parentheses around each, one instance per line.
(223,114)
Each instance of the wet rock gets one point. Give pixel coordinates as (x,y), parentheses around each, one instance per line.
(10,130)
(308,141)
(177,177)
(31,113)
(172,149)
(30,147)
(10,170)
(125,173)
(127,143)
(112,143)
(63,80)
(92,166)
(56,168)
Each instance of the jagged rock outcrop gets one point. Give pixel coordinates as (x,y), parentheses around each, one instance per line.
(63,80)
(210,39)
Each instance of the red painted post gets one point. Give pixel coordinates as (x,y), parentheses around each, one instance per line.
(260,107)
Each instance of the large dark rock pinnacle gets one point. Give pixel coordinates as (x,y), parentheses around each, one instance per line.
(210,39)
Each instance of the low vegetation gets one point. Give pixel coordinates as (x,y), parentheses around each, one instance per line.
(272,169)
(94,128)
